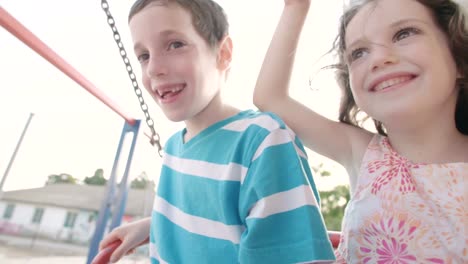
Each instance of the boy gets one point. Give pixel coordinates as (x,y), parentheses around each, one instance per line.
(235,185)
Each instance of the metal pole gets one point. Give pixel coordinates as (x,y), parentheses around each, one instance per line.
(123,192)
(14,154)
(109,201)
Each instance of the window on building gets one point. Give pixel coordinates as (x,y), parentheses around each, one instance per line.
(91,217)
(8,213)
(70,219)
(37,217)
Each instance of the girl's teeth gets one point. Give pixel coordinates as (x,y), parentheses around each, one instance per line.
(391,82)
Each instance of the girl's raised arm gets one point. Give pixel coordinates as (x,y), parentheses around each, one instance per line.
(329,138)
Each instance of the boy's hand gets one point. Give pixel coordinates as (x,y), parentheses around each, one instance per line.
(123,241)
(104,254)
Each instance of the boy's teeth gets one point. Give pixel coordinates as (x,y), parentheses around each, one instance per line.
(172,90)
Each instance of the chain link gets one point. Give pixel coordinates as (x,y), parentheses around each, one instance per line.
(155,139)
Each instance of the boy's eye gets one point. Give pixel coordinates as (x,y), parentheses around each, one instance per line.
(176,45)
(405,32)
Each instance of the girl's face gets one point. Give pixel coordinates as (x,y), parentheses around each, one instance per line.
(400,65)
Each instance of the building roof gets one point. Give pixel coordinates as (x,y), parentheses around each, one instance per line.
(83,197)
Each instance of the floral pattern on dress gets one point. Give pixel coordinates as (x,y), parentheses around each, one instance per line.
(392,166)
(404,212)
(386,239)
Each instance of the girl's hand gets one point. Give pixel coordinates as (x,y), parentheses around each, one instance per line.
(296,8)
(297,2)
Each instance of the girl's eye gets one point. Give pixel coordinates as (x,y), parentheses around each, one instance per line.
(405,32)
(357,54)
(176,45)
(143,57)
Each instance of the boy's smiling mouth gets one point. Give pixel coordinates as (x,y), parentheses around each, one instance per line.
(168,91)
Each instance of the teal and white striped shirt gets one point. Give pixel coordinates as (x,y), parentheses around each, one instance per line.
(241,191)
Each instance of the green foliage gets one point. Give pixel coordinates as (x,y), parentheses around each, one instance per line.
(333,204)
(142,182)
(96,179)
(320,170)
(61,178)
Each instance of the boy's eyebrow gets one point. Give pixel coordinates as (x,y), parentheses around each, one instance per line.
(162,34)
(392,25)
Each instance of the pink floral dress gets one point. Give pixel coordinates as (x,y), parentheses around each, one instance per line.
(403,212)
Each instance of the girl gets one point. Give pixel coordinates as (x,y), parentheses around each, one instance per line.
(404,63)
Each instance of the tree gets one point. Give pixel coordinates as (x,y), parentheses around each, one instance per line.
(318,169)
(97,179)
(142,182)
(61,178)
(332,203)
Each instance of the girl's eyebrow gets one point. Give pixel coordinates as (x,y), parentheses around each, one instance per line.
(395,24)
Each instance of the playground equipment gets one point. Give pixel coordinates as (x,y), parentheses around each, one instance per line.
(115,200)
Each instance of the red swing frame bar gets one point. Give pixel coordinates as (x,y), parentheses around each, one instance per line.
(12,25)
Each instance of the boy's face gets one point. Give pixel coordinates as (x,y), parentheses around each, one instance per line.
(179,69)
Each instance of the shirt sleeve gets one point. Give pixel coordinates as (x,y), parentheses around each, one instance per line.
(279,209)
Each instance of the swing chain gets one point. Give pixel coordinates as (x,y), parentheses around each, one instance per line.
(155,139)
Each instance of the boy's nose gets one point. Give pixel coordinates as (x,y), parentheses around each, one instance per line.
(382,56)
(156,67)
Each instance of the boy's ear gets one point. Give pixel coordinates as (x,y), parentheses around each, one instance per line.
(225,53)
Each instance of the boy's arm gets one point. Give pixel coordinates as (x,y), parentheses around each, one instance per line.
(279,207)
(329,138)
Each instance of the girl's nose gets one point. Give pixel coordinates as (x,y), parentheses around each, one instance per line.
(382,56)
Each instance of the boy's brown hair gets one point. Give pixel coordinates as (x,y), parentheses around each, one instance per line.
(208,18)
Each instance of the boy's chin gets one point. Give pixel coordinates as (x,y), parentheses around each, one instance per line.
(176,120)
(174,117)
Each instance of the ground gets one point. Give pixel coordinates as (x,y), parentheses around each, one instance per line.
(19,250)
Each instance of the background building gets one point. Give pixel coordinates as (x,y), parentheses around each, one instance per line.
(64,212)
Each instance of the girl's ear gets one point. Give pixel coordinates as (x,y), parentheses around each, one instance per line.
(460,75)
(225,53)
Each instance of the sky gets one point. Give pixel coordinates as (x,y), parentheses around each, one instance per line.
(73,132)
